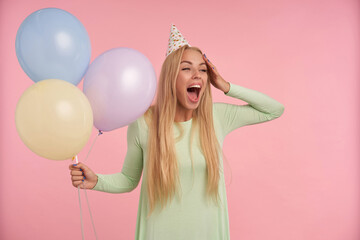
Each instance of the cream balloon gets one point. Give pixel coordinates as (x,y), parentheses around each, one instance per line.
(54,119)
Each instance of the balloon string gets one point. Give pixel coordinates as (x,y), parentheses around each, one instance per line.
(87,200)
(81,219)
(92,221)
(92,145)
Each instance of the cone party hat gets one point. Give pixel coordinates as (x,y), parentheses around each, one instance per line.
(176,40)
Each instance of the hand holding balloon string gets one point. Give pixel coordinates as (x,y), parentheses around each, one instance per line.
(82,175)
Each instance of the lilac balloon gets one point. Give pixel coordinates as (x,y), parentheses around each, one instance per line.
(120,85)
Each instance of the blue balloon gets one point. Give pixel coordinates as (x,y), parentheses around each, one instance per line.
(53,44)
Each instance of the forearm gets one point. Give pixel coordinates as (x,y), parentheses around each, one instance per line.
(256,99)
(116,183)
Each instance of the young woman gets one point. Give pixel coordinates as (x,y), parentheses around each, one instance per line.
(177,144)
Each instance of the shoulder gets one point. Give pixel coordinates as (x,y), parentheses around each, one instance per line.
(136,131)
(141,125)
(218,112)
(218,108)
(147,116)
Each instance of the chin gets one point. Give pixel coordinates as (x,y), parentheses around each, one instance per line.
(194,107)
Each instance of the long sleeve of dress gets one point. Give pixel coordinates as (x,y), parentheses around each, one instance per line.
(129,177)
(260,108)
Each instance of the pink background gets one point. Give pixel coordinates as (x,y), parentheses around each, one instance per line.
(295,178)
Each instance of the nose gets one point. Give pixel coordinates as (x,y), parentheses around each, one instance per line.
(197,74)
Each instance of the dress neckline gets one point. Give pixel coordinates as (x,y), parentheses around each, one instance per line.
(186,122)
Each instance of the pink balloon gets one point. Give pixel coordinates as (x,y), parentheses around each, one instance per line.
(120,85)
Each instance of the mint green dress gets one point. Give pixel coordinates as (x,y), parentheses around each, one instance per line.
(191,216)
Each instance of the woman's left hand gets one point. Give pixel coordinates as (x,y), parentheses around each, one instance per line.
(216,80)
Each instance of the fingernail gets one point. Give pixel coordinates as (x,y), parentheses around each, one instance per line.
(84,177)
(213,67)
(205,55)
(75,164)
(83,180)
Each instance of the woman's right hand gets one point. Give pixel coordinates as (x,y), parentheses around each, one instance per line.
(82,175)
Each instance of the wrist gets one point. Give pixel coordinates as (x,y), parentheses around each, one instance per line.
(97,179)
(226,87)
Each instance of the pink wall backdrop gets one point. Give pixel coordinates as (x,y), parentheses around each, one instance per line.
(295,178)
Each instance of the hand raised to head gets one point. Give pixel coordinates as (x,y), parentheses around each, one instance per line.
(216,80)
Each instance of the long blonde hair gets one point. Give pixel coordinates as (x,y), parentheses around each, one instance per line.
(162,166)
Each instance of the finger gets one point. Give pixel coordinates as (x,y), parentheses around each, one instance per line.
(210,65)
(77,178)
(71,167)
(81,167)
(207,60)
(76,173)
(77,183)
(80,184)
(74,166)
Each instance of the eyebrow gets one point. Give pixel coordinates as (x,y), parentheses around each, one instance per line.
(191,63)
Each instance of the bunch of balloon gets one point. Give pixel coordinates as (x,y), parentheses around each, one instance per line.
(53,117)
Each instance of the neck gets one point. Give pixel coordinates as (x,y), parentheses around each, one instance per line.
(183,114)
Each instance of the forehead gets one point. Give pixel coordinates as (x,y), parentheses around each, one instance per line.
(192,55)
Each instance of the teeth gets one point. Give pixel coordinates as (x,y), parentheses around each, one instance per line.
(194,86)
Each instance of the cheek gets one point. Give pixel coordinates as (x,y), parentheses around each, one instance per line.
(180,84)
(181,78)
(179,92)
(206,82)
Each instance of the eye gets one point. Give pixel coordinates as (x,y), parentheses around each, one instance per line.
(204,70)
(186,69)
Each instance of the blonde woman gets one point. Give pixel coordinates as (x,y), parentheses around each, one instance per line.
(177,144)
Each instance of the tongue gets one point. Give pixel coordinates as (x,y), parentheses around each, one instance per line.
(192,95)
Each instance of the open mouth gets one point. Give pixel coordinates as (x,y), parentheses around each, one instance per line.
(193,93)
